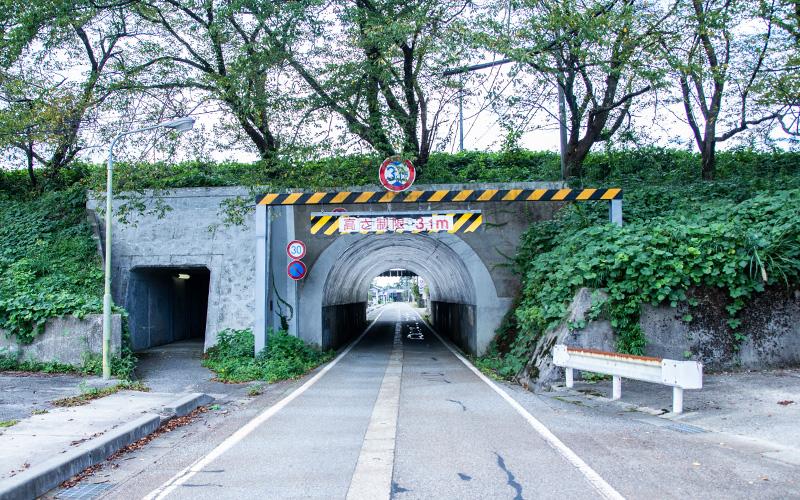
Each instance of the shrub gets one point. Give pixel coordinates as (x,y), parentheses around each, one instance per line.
(285,357)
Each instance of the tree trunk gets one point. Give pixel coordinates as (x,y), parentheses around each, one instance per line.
(31,173)
(709,160)
(575,155)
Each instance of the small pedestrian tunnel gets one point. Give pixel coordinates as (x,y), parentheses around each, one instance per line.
(167,304)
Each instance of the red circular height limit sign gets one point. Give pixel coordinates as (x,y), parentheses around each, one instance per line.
(396,174)
(296,249)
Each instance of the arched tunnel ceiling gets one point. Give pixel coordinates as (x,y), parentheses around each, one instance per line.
(443,270)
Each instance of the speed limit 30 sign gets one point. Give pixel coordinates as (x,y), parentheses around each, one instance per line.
(296,249)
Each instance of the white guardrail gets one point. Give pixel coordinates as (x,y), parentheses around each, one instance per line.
(678,374)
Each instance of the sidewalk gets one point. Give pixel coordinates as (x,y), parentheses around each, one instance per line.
(756,409)
(45,449)
(45,445)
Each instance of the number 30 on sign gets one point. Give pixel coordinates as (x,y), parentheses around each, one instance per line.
(296,249)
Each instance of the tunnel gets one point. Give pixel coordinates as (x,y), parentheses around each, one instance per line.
(167,304)
(460,286)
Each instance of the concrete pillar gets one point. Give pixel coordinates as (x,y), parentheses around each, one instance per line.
(261,278)
(615,212)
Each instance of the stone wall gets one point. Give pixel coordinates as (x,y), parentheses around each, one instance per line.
(769,329)
(65,340)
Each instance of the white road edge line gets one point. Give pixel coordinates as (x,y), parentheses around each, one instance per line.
(598,483)
(190,471)
(372,478)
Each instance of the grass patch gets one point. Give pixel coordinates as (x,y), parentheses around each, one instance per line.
(285,357)
(255,390)
(121,367)
(92,393)
(8,423)
(40,412)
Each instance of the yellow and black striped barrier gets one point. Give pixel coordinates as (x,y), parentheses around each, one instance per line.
(445,195)
(329,224)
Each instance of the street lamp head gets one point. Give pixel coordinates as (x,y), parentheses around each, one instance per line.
(180,124)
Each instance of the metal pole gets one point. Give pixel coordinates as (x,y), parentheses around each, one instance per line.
(107,285)
(562,126)
(180,125)
(461,118)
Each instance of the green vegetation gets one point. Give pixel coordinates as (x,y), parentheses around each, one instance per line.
(49,264)
(91,393)
(8,423)
(737,235)
(121,366)
(285,357)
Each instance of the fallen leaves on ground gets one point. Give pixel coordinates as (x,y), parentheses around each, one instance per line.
(168,426)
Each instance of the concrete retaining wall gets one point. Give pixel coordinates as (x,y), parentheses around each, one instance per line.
(770,327)
(65,340)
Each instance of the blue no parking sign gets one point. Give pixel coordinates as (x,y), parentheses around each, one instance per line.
(296,270)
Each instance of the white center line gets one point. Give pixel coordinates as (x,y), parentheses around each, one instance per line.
(372,478)
(187,473)
(598,483)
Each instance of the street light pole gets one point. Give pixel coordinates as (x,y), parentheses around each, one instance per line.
(179,125)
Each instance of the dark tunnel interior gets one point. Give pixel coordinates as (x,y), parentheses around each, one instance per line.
(167,304)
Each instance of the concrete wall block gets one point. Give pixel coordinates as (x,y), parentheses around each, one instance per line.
(191,234)
(65,340)
(770,326)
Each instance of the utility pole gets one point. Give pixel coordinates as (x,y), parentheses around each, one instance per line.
(562,129)
(562,112)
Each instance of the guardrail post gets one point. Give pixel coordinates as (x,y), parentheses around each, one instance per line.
(570,380)
(677,400)
(616,391)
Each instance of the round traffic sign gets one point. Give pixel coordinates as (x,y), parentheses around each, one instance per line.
(296,270)
(396,174)
(296,249)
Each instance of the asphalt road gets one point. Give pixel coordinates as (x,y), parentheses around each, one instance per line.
(401,416)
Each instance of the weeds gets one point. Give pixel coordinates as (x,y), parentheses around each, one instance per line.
(286,357)
(92,393)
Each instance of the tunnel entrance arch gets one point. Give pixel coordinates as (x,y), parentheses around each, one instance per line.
(464,302)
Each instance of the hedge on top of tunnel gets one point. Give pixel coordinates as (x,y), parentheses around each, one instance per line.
(644,166)
(286,357)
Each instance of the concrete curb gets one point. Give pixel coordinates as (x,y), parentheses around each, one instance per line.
(43,477)
(185,405)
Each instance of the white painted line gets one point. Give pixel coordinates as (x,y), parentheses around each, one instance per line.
(598,483)
(190,471)
(372,478)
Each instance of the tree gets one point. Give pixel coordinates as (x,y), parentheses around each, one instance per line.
(230,52)
(719,51)
(781,83)
(377,65)
(45,105)
(598,53)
